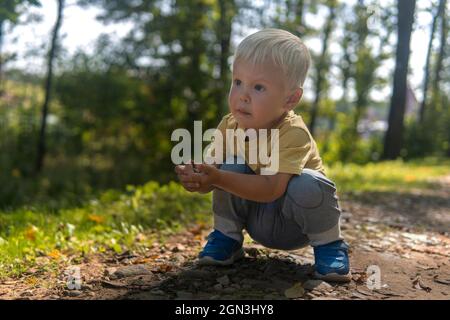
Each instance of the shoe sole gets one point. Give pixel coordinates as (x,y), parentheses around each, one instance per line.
(209,261)
(334,277)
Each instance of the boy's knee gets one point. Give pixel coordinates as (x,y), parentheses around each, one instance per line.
(305,190)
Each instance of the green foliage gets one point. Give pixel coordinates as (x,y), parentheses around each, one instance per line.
(343,145)
(9,8)
(432,136)
(114,221)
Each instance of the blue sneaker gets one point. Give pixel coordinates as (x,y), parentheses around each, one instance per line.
(220,250)
(332,263)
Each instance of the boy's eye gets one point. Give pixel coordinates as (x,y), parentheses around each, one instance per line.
(259,87)
(237,82)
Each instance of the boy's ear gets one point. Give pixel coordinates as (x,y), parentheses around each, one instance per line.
(294,98)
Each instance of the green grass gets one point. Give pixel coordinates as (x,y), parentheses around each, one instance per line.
(113,222)
(43,237)
(394,176)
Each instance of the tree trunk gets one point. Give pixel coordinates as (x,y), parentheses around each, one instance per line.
(321,66)
(227,11)
(394,135)
(1,57)
(41,151)
(427,65)
(442,48)
(299,8)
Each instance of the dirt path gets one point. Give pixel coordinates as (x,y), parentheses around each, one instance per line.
(403,236)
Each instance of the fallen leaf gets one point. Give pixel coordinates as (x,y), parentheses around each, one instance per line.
(163,268)
(96,218)
(30,233)
(146,260)
(54,254)
(418,284)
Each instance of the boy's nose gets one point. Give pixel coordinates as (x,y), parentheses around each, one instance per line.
(244,98)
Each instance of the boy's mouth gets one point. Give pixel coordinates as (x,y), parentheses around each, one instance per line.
(243,113)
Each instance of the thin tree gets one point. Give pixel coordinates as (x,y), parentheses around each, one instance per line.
(227,10)
(9,12)
(438,13)
(322,64)
(442,49)
(41,150)
(394,135)
(1,57)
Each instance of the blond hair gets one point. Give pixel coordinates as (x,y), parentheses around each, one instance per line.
(280,47)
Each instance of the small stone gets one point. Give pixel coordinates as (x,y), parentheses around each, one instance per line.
(178,258)
(130,271)
(317,285)
(252,252)
(73,293)
(229,290)
(296,291)
(184,295)
(27,293)
(215,297)
(110,271)
(223,280)
(87,287)
(218,287)
(157,292)
(178,248)
(246,286)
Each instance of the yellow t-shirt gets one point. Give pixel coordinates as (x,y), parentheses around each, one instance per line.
(296,147)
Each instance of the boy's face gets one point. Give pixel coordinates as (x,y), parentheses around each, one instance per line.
(259,96)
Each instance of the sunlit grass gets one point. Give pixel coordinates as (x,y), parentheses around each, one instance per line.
(388,176)
(113,222)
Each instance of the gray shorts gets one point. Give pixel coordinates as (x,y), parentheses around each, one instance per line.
(307,214)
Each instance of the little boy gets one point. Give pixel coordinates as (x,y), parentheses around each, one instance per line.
(290,208)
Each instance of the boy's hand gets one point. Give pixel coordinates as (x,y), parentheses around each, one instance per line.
(197,178)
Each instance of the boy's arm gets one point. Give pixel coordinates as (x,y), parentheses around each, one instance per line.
(259,188)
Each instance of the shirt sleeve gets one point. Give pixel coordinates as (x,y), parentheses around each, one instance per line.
(212,148)
(293,153)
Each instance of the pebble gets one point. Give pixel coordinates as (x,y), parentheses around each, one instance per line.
(178,248)
(317,285)
(73,293)
(184,295)
(229,290)
(130,271)
(223,280)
